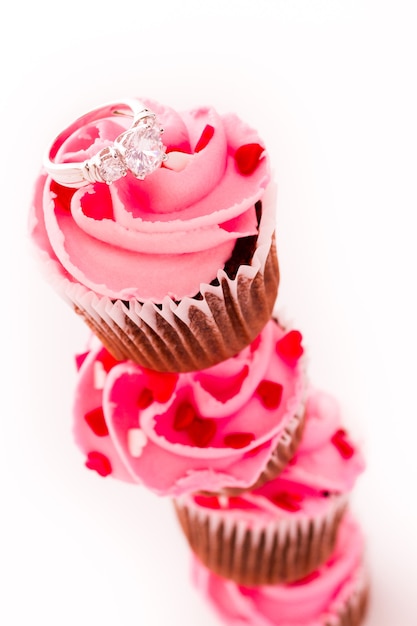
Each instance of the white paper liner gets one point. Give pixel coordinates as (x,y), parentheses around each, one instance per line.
(263,553)
(193,333)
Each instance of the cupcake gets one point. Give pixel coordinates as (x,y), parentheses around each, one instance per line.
(286,528)
(225,428)
(175,272)
(336,594)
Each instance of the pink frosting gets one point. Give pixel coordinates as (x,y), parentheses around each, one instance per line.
(165,235)
(196,431)
(326,465)
(309,602)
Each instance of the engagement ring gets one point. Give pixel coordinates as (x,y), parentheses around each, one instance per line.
(138,150)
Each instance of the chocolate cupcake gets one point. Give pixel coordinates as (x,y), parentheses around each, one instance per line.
(177,271)
(286,528)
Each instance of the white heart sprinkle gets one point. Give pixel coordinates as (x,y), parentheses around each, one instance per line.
(177,161)
(99,375)
(136,441)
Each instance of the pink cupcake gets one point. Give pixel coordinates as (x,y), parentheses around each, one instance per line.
(286,528)
(230,426)
(175,272)
(336,594)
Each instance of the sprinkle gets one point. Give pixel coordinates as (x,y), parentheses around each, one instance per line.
(255,343)
(209,502)
(184,416)
(247,157)
(136,441)
(223,501)
(202,431)
(80,358)
(339,440)
(177,161)
(145,398)
(107,359)
(99,463)
(96,421)
(270,393)
(206,135)
(99,374)
(289,347)
(162,384)
(287,501)
(238,440)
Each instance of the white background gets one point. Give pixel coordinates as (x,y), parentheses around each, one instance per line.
(330,85)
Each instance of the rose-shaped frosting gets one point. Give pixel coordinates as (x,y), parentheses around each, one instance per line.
(325,467)
(179,433)
(165,235)
(314,601)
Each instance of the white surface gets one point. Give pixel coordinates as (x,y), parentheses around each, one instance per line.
(331,87)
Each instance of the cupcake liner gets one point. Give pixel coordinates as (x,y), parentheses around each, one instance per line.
(335,594)
(222,318)
(280,551)
(194,333)
(353,610)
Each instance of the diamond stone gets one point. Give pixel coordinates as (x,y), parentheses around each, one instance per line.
(111,166)
(144,150)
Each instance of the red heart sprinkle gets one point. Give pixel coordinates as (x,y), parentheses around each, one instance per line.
(202,431)
(342,444)
(80,358)
(184,416)
(247,157)
(99,463)
(145,398)
(237,502)
(238,440)
(288,501)
(162,384)
(107,360)
(289,347)
(206,135)
(97,423)
(270,393)
(255,344)
(63,196)
(210,502)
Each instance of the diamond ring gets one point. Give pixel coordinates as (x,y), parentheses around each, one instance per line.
(138,150)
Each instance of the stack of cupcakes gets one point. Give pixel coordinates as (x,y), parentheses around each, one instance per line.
(191,385)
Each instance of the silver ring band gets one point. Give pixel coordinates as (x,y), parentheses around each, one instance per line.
(138,150)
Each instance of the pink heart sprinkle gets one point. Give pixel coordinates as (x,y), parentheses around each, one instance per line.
(97,423)
(238,440)
(99,463)
(247,157)
(289,347)
(270,393)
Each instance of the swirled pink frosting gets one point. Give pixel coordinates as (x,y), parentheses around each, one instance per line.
(165,235)
(195,431)
(313,601)
(325,466)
